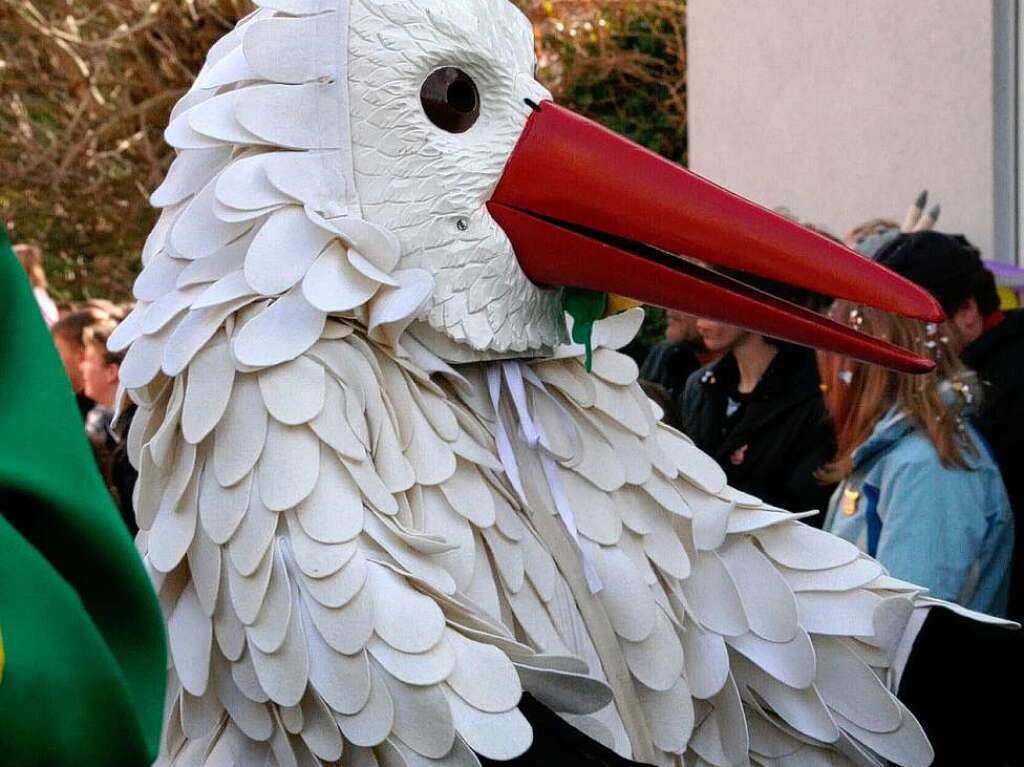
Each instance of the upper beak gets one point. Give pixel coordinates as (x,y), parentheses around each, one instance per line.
(589,209)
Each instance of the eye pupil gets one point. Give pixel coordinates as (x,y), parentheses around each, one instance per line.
(450,99)
(462,96)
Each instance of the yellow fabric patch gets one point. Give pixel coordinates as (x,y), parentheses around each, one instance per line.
(850,502)
(618,304)
(1008,299)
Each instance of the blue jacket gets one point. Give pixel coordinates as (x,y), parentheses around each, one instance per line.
(948,529)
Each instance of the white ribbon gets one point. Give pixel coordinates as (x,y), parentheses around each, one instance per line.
(533,434)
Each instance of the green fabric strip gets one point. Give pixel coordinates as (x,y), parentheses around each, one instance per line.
(83,633)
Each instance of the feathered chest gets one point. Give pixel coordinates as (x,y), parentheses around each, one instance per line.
(366,551)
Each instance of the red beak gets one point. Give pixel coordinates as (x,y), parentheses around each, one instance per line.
(586,208)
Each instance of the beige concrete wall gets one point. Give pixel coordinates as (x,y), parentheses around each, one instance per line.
(843,110)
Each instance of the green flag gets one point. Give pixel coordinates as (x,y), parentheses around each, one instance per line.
(83,649)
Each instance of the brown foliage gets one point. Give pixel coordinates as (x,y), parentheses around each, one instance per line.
(86,88)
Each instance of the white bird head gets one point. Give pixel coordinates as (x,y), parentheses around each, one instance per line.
(396,164)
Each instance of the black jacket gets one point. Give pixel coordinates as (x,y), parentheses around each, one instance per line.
(784,429)
(998,358)
(669,366)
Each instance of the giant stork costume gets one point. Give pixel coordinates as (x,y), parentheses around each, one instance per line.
(382,494)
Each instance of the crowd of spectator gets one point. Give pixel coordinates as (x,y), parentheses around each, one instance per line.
(916,470)
(80,332)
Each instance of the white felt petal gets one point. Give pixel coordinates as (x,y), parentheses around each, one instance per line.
(372,246)
(189,172)
(393,305)
(282,332)
(204,562)
(229,288)
(707,661)
(564,691)
(215,118)
(244,186)
(320,730)
(142,362)
(909,748)
(342,680)
(665,551)
(804,548)
(333,512)
(283,249)
(374,491)
(248,591)
(332,426)
(227,628)
(128,330)
(342,606)
(423,719)
(483,675)
(849,613)
(696,465)
(496,736)
(373,723)
(332,285)
(470,496)
(190,634)
(614,367)
(198,232)
(182,136)
(793,663)
(252,718)
(221,508)
(618,330)
(852,689)
(167,308)
(226,260)
(801,709)
(158,278)
(408,621)
(175,523)
(233,68)
(240,434)
(238,215)
(208,390)
(294,392)
(283,674)
(297,116)
(657,661)
(747,520)
(267,632)
(294,50)
(625,596)
(713,596)
(289,465)
(669,715)
(427,668)
(769,604)
(854,575)
(315,559)
(200,715)
(723,737)
(194,331)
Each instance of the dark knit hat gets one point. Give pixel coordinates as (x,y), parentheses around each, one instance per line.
(946,265)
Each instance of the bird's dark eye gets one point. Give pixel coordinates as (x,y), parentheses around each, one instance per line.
(450,99)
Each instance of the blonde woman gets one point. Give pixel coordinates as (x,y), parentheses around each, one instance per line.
(31,259)
(919,490)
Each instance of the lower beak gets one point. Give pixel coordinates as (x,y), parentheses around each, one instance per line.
(585,208)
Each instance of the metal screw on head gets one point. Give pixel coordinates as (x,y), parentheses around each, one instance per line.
(461,224)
